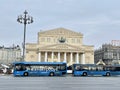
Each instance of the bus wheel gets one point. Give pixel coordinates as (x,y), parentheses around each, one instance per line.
(51,74)
(107,74)
(84,74)
(25,74)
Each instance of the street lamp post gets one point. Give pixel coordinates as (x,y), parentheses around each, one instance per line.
(24,19)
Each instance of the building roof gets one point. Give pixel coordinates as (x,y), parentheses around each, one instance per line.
(60,31)
(8,48)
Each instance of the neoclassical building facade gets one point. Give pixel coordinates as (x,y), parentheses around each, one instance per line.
(11,54)
(60,45)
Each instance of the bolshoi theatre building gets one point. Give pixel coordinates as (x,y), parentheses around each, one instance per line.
(60,45)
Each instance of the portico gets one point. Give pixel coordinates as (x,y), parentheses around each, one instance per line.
(75,57)
(60,45)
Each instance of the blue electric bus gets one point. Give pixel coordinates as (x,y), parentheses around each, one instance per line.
(92,69)
(39,68)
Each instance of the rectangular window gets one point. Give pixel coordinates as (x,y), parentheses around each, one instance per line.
(42,39)
(73,40)
(48,39)
(78,40)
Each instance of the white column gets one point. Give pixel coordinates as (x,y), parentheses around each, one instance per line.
(58,56)
(118,55)
(112,55)
(39,57)
(77,57)
(83,58)
(65,57)
(71,58)
(52,56)
(45,56)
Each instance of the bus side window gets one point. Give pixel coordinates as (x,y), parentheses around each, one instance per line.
(117,68)
(77,67)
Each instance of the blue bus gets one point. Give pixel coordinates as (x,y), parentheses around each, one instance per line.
(39,68)
(94,70)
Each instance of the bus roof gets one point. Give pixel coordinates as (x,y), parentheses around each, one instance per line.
(85,64)
(98,65)
(39,63)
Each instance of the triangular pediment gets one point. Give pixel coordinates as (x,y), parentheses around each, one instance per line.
(60,31)
(61,47)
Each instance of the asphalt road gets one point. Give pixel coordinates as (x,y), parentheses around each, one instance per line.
(8,82)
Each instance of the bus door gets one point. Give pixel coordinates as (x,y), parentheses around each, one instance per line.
(91,70)
(20,67)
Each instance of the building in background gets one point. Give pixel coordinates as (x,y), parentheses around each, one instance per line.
(10,54)
(60,45)
(108,53)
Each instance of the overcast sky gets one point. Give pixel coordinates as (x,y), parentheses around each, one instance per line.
(97,20)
